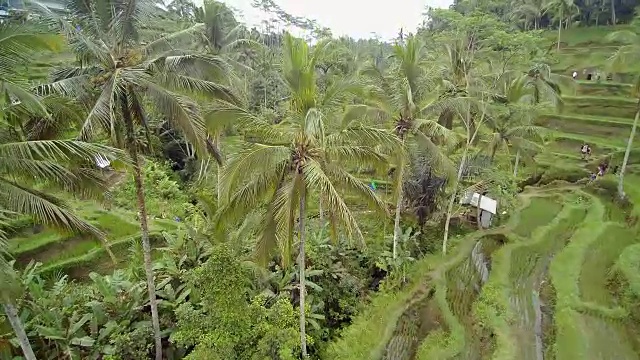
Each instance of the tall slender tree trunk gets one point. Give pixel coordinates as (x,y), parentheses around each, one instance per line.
(396,221)
(18,328)
(613,12)
(218,173)
(515,166)
(144,226)
(560,30)
(452,200)
(301,266)
(627,152)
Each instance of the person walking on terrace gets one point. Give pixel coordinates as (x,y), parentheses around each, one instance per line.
(584,151)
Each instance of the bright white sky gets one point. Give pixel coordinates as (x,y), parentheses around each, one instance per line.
(355,18)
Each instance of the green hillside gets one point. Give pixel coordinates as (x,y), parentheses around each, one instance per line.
(561,281)
(278,197)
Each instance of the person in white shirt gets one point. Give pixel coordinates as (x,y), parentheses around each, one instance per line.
(584,150)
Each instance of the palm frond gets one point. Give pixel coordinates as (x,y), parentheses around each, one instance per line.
(249,195)
(364,136)
(27,100)
(285,204)
(316,178)
(350,184)
(438,160)
(253,160)
(103,111)
(44,208)
(169,41)
(181,112)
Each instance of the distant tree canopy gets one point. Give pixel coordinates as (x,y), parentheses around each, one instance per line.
(530,14)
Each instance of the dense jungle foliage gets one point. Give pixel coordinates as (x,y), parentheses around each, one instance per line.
(176,185)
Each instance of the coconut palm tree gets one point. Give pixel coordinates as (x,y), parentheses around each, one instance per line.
(18,44)
(548,87)
(224,37)
(564,11)
(512,124)
(309,153)
(121,75)
(53,164)
(530,10)
(625,56)
(26,118)
(404,97)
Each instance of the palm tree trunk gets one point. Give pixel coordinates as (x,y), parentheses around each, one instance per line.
(301,266)
(16,324)
(515,166)
(627,152)
(396,221)
(560,30)
(613,12)
(218,173)
(146,247)
(452,201)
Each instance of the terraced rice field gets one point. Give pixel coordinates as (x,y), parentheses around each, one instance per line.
(558,281)
(76,255)
(492,300)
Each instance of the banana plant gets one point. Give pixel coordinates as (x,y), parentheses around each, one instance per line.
(115,298)
(396,265)
(70,338)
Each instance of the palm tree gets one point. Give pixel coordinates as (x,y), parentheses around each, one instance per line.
(625,56)
(529,9)
(55,164)
(304,155)
(404,97)
(468,109)
(224,37)
(127,75)
(28,118)
(564,10)
(548,87)
(17,46)
(512,125)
